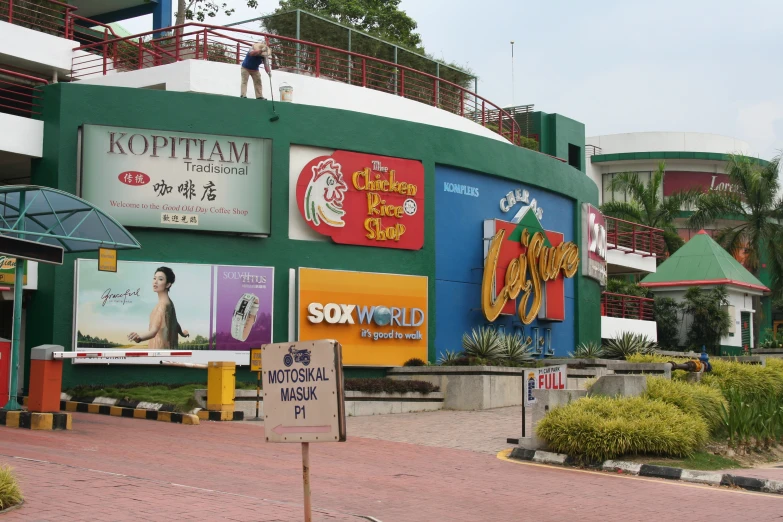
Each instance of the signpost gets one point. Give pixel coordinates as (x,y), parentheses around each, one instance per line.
(547,378)
(255,366)
(303,397)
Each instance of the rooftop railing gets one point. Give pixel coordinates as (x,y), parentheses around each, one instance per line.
(229,45)
(633,238)
(627,307)
(20,93)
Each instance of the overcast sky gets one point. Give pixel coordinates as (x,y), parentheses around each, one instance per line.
(616,65)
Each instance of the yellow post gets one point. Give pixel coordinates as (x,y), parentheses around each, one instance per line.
(221,385)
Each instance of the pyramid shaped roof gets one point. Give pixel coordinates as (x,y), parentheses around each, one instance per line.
(702,261)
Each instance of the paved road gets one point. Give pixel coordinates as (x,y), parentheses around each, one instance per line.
(112,468)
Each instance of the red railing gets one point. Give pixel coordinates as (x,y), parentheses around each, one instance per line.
(627,307)
(20,94)
(229,45)
(633,238)
(47,16)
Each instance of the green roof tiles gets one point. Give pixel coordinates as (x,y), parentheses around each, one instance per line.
(702,261)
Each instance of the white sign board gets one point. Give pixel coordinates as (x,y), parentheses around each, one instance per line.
(548,378)
(303,392)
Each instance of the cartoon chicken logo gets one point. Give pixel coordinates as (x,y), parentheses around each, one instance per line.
(324,196)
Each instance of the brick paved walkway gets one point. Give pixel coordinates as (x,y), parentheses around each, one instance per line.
(391,481)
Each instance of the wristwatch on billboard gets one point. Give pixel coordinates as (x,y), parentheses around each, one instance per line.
(244,318)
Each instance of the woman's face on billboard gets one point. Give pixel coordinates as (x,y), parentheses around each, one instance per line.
(159,283)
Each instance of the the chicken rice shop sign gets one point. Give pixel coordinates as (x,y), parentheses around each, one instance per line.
(364,199)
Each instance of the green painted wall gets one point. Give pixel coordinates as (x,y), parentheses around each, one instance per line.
(67,106)
(556,132)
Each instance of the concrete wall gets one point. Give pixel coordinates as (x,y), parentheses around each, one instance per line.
(223,79)
(612,327)
(21,135)
(35,51)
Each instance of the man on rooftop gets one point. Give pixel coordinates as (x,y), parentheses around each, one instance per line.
(258,54)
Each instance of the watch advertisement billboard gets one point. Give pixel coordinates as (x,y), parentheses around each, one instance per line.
(379,319)
(179,180)
(219,312)
(363,199)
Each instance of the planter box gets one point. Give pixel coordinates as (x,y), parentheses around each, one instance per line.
(469,387)
(356,403)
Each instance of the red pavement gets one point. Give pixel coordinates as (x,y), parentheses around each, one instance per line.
(164,469)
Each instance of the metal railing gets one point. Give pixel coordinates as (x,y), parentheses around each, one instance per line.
(633,238)
(627,307)
(20,93)
(229,45)
(46,16)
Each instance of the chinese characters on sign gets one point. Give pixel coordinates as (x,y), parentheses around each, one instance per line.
(151,178)
(364,199)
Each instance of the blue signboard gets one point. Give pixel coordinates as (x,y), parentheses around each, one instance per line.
(463,201)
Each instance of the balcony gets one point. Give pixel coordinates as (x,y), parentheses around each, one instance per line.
(627,313)
(20,109)
(632,248)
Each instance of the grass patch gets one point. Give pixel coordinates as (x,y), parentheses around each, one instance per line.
(700,461)
(10,494)
(181,397)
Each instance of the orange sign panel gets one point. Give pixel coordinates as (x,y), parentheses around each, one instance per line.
(379,319)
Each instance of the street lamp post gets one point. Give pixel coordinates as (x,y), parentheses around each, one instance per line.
(512,73)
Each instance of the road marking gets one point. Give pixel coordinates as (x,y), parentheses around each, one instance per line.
(504,455)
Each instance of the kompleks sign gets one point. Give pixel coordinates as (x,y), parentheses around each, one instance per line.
(379,319)
(219,312)
(548,378)
(190,181)
(594,242)
(364,199)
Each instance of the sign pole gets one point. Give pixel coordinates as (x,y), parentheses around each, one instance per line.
(524,418)
(258,393)
(308,515)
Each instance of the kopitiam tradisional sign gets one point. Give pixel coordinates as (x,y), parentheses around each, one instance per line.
(522,260)
(364,199)
(184,180)
(379,319)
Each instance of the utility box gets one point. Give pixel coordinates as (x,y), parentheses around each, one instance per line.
(221,381)
(46,379)
(5,370)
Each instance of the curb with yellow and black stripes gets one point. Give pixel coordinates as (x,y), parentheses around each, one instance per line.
(35,421)
(128,409)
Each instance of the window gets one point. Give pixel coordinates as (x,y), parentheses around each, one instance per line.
(575,156)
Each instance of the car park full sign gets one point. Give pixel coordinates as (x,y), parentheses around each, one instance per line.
(303,392)
(364,199)
(548,378)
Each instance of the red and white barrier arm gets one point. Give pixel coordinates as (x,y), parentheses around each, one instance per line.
(119,353)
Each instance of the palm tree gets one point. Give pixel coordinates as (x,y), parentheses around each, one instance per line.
(755,207)
(648,206)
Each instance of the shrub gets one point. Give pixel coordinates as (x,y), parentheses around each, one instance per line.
(484,343)
(591,350)
(516,349)
(710,318)
(750,381)
(600,428)
(10,494)
(627,344)
(389,386)
(448,358)
(667,318)
(693,399)
(759,420)
(414,362)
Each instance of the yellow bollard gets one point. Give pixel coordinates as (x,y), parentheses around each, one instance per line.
(221,383)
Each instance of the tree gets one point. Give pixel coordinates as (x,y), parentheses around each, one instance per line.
(381,18)
(648,206)
(756,210)
(667,320)
(203,9)
(709,317)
